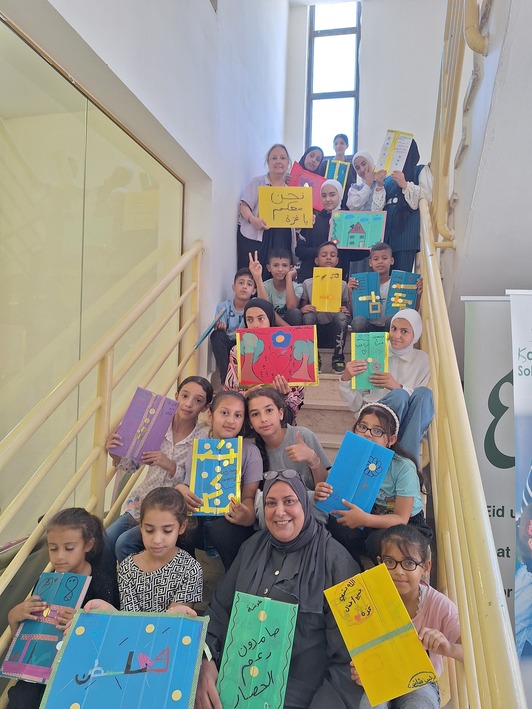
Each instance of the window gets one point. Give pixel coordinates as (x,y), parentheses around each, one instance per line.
(332,92)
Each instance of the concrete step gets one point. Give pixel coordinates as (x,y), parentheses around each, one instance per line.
(327,390)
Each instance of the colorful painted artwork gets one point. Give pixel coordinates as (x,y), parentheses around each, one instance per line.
(357,473)
(373,347)
(303,178)
(286,206)
(128,660)
(379,635)
(145,424)
(402,292)
(327,289)
(337,170)
(264,353)
(394,151)
(357,230)
(256,656)
(216,473)
(34,647)
(210,328)
(366,299)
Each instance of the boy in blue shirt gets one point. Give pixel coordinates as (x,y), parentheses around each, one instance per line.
(223,337)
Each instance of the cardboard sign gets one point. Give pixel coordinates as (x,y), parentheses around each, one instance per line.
(128,660)
(373,347)
(216,473)
(34,647)
(357,230)
(379,635)
(286,206)
(256,656)
(402,293)
(145,424)
(299,177)
(366,299)
(264,353)
(357,473)
(327,289)
(337,170)
(394,151)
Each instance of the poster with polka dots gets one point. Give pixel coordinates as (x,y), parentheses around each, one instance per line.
(257,652)
(127,660)
(216,473)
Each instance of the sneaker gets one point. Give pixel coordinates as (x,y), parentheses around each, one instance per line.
(338,365)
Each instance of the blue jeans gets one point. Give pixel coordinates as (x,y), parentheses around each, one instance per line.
(124,536)
(415,412)
(426,697)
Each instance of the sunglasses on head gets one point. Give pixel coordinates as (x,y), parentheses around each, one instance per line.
(286,474)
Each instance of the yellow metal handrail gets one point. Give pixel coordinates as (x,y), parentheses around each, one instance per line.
(185,275)
(468,570)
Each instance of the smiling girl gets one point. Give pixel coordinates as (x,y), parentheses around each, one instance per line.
(369,194)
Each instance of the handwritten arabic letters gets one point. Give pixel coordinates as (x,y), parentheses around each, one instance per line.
(286,206)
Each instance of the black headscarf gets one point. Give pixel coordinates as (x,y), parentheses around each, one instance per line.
(301,160)
(305,555)
(263,305)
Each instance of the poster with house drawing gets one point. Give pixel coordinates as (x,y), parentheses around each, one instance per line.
(357,230)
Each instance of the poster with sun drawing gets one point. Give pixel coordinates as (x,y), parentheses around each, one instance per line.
(357,473)
(216,473)
(379,635)
(264,353)
(402,293)
(366,299)
(34,647)
(127,660)
(373,347)
(357,230)
(257,651)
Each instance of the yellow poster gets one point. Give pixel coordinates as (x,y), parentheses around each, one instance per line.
(327,289)
(286,206)
(394,151)
(379,635)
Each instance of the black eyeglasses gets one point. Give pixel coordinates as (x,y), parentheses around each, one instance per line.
(287,474)
(407,564)
(362,428)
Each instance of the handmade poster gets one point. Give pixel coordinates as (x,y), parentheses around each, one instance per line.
(34,647)
(216,473)
(357,473)
(379,635)
(286,206)
(366,299)
(209,329)
(337,170)
(128,660)
(263,353)
(402,292)
(300,177)
(357,230)
(145,424)
(373,347)
(327,289)
(394,151)
(256,656)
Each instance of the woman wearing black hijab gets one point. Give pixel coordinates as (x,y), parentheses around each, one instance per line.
(403,190)
(293,560)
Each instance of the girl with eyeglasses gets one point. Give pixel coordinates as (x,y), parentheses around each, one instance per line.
(405,553)
(398,500)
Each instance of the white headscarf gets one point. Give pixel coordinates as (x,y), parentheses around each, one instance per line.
(338,187)
(414,318)
(366,156)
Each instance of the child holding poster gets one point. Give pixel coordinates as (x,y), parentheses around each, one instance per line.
(282,289)
(405,553)
(75,540)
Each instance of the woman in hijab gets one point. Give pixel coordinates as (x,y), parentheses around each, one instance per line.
(293,560)
(259,313)
(403,191)
(368,195)
(310,239)
(403,387)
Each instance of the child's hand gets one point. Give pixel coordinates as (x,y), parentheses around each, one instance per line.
(384,380)
(353,369)
(398,176)
(240,514)
(220,325)
(419,285)
(193,501)
(308,308)
(369,178)
(280,383)
(352,517)
(354,674)
(436,641)
(352,284)
(97,604)
(64,618)
(113,441)
(380,176)
(160,459)
(292,274)
(27,610)
(299,452)
(323,491)
(255,266)
(181,608)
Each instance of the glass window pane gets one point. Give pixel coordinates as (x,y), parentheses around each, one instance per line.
(331,17)
(334,63)
(329,117)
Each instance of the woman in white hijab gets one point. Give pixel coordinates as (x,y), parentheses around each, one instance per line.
(403,387)
(367,194)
